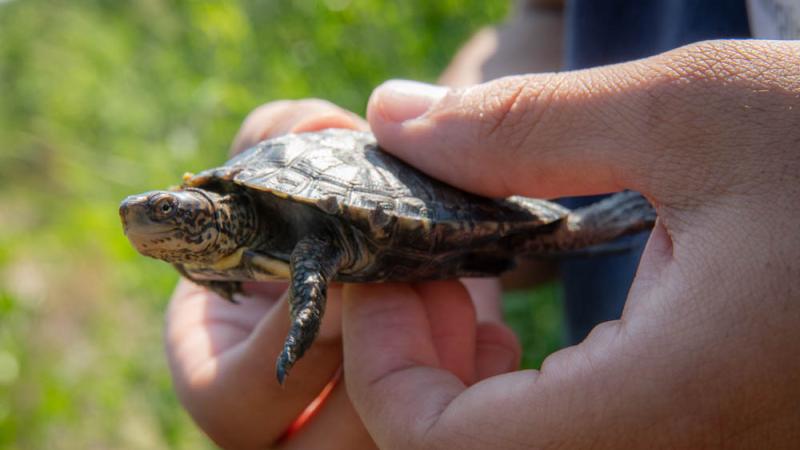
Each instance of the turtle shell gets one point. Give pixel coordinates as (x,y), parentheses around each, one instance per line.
(346,175)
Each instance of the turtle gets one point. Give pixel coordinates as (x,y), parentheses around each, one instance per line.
(331,205)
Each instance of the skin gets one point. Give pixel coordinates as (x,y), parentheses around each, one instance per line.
(222,355)
(529,42)
(706,352)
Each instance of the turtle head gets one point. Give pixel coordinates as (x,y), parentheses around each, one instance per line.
(187,226)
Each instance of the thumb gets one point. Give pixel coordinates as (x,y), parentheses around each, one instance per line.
(570,133)
(534,135)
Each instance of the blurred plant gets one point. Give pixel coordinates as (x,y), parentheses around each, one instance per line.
(102,98)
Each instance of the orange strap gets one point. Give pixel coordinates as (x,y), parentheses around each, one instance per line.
(312,409)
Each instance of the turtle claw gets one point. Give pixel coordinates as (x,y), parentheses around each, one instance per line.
(281,375)
(282,367)
(288,357)
(313,262)
(226,289)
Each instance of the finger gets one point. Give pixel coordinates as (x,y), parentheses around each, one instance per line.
(292,116)
(534,135)
(222,357)
(200,325)
(570,133)
(498,139)
(487,295)
(497,350)
(206,326)
(391,362)
(223,364)
(406,401)
(335,426)
(452,318)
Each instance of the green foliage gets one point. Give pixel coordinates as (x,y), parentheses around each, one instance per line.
(536,317)
(100,99)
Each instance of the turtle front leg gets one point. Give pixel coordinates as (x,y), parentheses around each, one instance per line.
(225,289)
(314,261)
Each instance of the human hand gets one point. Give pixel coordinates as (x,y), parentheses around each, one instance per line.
(707,352)
(222,355)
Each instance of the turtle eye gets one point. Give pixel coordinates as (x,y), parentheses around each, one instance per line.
(164,208)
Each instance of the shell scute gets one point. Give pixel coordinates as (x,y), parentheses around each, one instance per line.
(344,173)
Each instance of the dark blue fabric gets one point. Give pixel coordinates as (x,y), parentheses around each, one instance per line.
(610,31)
(600,32)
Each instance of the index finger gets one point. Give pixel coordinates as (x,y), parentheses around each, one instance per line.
(293,116)
(394,373)
(658,125)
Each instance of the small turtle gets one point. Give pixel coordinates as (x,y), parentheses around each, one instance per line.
(332,206)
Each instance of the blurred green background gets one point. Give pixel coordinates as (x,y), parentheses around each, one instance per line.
(104,98)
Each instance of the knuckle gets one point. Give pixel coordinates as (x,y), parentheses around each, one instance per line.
(508,114)
(513,124)
(494,124)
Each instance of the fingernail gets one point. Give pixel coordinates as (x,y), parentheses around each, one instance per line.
(403,100)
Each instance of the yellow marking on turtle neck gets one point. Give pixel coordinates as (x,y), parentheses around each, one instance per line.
(272,266)
(230,261)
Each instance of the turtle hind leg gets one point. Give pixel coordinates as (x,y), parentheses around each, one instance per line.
(314,261)
(622,213)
